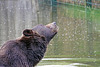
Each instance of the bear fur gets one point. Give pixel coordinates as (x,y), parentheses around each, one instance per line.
(29,49)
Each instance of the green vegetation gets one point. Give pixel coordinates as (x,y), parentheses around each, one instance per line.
(78,36)
(79,32)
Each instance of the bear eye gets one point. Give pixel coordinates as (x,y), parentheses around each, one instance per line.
(43,38)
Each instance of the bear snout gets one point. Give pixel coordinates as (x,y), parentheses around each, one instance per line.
(52,26)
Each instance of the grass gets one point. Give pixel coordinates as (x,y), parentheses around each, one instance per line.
(82,11)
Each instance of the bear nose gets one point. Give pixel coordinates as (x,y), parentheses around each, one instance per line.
(54,23)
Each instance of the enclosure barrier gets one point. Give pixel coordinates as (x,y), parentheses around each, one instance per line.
(78,21)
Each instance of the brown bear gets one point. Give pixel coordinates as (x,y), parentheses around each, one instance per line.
(29,49)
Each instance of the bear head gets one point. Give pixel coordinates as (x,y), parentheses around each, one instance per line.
(40,32)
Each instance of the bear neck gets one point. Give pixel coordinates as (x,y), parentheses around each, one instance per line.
(35,52)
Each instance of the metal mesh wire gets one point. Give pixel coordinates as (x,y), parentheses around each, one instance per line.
(78,21)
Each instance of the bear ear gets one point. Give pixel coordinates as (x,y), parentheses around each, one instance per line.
(28,32)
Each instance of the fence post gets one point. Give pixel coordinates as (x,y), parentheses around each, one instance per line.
(54,19)
(89,28)
(54,10)
(89,3)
